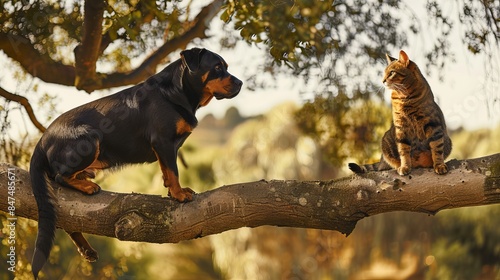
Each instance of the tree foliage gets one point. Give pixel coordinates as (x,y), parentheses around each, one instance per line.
(302,34)
(344,127)
(468,242)
(351,34)
(65,42)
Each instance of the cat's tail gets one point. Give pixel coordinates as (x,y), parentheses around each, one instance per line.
(46,210)
(360,169)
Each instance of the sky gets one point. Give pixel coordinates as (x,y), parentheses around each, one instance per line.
(462,94)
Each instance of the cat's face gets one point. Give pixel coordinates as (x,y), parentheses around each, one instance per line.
(397,75)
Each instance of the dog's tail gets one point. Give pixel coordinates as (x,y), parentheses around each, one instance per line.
(47,216)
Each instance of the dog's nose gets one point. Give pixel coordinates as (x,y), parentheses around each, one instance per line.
(237,82)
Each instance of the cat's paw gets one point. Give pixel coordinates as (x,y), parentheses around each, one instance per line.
(404,170)
(440,168)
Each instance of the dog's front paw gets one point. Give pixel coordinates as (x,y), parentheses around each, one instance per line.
(181,194)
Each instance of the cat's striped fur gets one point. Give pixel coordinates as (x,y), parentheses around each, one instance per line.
(418,136)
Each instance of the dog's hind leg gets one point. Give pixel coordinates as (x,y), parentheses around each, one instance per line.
(80,164)
(84,248)
(76,181)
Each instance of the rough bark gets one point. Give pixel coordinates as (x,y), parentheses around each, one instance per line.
(333,205)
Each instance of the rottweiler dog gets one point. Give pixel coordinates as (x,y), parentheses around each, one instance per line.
(143,123)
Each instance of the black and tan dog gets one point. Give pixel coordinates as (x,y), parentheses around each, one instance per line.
(144,123)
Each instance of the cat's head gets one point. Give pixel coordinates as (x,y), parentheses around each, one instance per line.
(399,73)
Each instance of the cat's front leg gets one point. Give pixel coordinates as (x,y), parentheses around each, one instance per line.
(404,149)
(404,152)
(437,156)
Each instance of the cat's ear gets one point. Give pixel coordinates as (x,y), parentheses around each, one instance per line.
(389,59)
(403,58)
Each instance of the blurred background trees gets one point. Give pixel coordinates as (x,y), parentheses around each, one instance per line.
(328,45)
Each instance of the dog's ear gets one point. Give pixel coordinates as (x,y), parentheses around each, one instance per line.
(191,58)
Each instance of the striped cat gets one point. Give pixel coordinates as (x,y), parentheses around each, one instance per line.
(417,137)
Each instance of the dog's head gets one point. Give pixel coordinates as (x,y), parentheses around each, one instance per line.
(209,70)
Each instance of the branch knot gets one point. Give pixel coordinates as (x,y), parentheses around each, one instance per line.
(128,226)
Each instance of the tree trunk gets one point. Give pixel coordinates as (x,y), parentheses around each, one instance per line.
(333,205)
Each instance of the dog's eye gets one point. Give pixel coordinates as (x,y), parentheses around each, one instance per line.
(218,68)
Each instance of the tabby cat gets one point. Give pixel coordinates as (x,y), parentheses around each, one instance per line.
(417,137)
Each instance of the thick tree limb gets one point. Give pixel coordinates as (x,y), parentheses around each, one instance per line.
(27,106)
(332,205)
(36,64)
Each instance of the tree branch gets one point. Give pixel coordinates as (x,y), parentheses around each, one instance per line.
(148,66)
(26,104)
(332,205)
(93,42)
(87,52)
(41,66)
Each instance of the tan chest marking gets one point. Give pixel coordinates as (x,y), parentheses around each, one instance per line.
(181,127)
